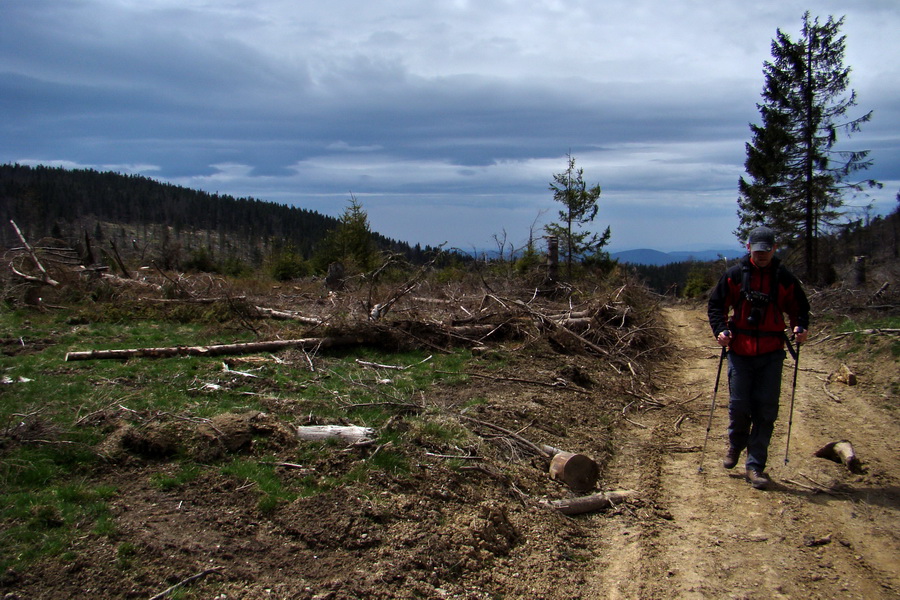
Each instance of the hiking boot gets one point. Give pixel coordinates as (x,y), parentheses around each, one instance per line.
(757,479)
(731,458)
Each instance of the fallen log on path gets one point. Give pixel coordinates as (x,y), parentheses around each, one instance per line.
(220,349)
(592,503)
(841,452)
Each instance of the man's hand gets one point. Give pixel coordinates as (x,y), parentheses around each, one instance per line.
(800,335)
(724,338)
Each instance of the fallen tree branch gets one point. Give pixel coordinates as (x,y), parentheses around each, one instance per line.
(879,293)
(873,331)
(646,398)
(187,581)
(531,445)
(822,488)
(191,300)
(559,327)
(406,406)
(45,276)
(117,259)
(286,315)
(454,456)
(287,465)
(175,283)
(555,385)
(834,397)
(363,363)
(377,311)
(641,425)
(218,350)
(814,490)
(594,502)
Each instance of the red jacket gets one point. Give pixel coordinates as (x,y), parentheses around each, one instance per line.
(756,320)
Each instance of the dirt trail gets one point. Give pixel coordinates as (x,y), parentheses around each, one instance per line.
(728,540)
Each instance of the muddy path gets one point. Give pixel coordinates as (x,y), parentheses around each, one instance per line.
(818,532)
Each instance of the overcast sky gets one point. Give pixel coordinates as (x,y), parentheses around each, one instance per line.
(445,119)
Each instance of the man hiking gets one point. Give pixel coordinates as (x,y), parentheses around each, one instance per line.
(746,312)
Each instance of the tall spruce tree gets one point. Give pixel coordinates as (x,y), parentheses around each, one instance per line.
(579,208)
(797,178)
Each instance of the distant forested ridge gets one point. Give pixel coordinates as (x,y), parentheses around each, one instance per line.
(82,204)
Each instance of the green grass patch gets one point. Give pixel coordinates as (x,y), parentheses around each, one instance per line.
(166,482)
(392,461)
(868,342)
(54,414)
(849,325)
(261,475)
(125,555)
(43,521)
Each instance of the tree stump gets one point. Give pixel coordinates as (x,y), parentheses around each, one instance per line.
(577,471)
(335,278)
(841,452)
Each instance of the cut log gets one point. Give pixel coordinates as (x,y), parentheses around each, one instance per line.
(436,301)
(352,434)
(286,315)
(592,503)
(577,471)
(844,375)
(559,327)
(841,452)
(193,300)
(218,350)
(478,331)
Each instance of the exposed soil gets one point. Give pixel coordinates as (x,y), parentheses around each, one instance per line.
(728,540)
(480,530)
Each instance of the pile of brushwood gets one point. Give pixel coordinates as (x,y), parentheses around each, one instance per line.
(391,307)
(444,421)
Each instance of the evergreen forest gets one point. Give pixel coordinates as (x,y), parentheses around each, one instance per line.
(173,226)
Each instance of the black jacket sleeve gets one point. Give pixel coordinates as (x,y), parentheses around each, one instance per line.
(798,306)
(719,303)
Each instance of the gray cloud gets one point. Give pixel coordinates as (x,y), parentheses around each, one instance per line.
(446,121)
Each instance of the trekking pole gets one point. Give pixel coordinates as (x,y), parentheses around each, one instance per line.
(787,444)
(712,408)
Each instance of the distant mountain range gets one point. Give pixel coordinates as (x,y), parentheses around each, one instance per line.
(645,256)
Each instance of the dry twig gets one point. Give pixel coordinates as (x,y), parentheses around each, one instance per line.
(45,276)
(187,581)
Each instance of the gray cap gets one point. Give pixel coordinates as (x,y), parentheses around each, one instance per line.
(762,239)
